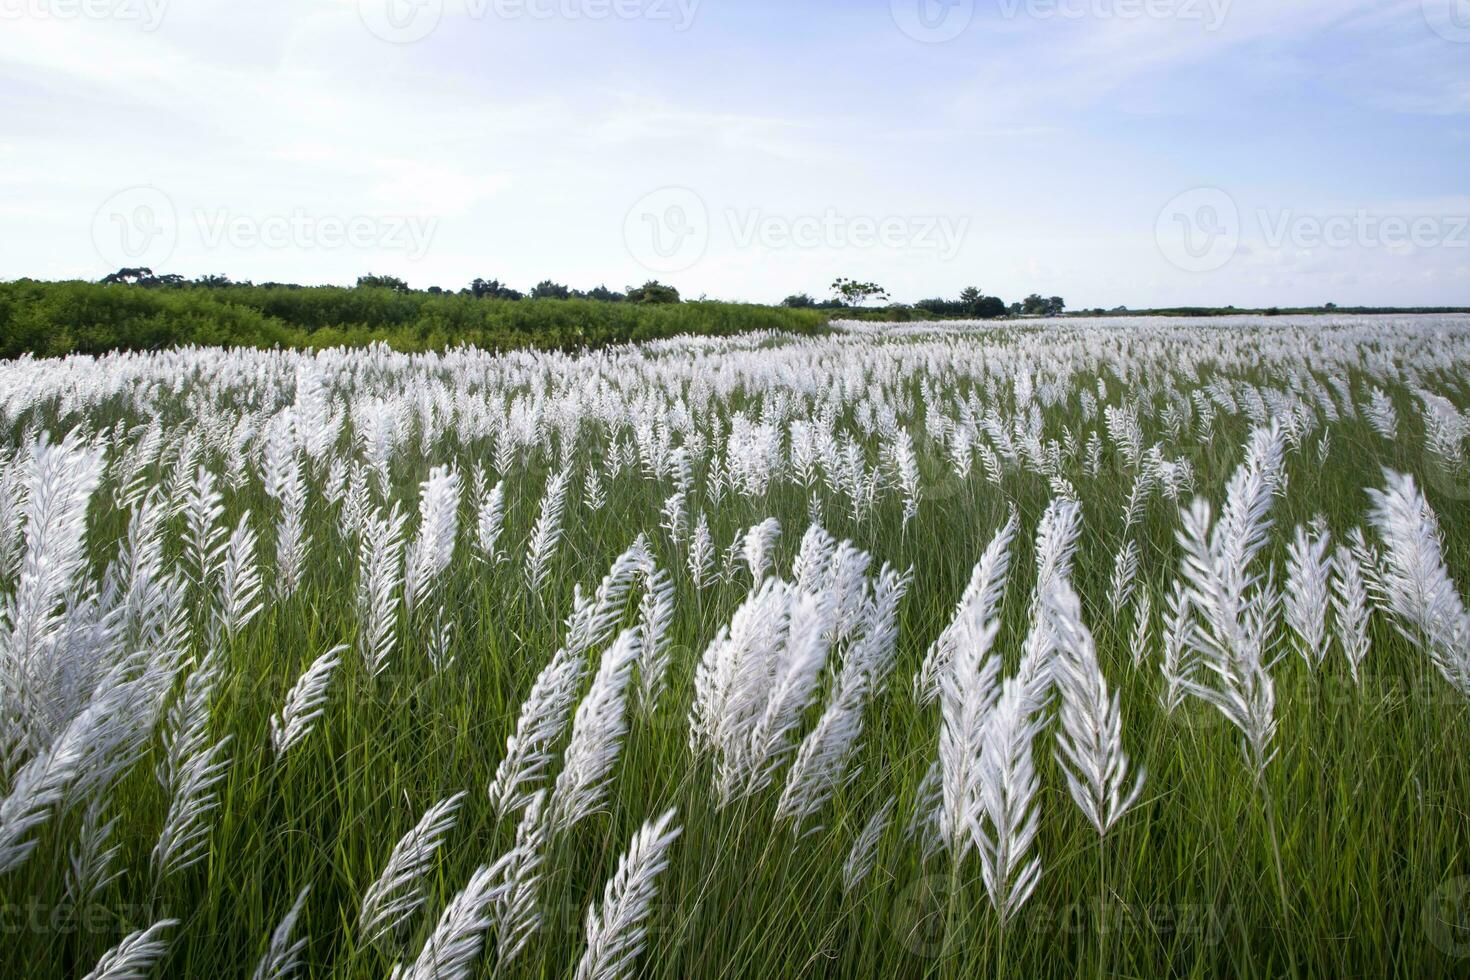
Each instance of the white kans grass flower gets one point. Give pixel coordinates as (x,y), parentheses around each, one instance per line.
(453,949)
(92,859)
(985,592)
(1235,607)
(617,927)
(754,684)
(1006,827)
(1090,739)
(430,553)
(1350,609)
(1125,571)
(134,957)
(92,750)
(701,560)
(1308,592)
(823,760)
(546,534)
(864,853)
(379,579)
(542,721)
(282,477)
(1417,586)
(655,615)
(282,958)
(239,583)
(758,547)
(517,908)
(304,704)
(399,891)
(598,730)
(490,523)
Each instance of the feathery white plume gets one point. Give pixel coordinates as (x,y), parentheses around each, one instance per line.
(617,928)
(864,853)
(399,890)
(304,705)
(1090,740)
(1350,609)
(598,729)
(453,949)
(1417,586)
(135,956)
(985,592)
(547,532)
(282,958)
(1308,592)
(517,911)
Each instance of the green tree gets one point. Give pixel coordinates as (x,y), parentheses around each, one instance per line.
(855,293)
(493,289)
(653,292)
(546,289)
(391,283)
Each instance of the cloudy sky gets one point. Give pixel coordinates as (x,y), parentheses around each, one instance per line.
(1138,152)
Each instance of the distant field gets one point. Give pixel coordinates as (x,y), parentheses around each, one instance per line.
(1125,647)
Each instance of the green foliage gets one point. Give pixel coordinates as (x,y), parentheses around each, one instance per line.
(855,293)
(653,292)
(972,304)
(59,318)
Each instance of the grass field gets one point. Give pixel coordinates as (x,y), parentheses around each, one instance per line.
(1110,648)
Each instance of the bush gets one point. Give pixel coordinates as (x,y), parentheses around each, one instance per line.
(59,318)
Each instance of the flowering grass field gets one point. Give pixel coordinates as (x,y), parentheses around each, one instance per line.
(1127,647)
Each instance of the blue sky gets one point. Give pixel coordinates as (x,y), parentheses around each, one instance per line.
(1139,152)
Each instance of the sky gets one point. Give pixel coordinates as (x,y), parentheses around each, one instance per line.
(1144,153)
